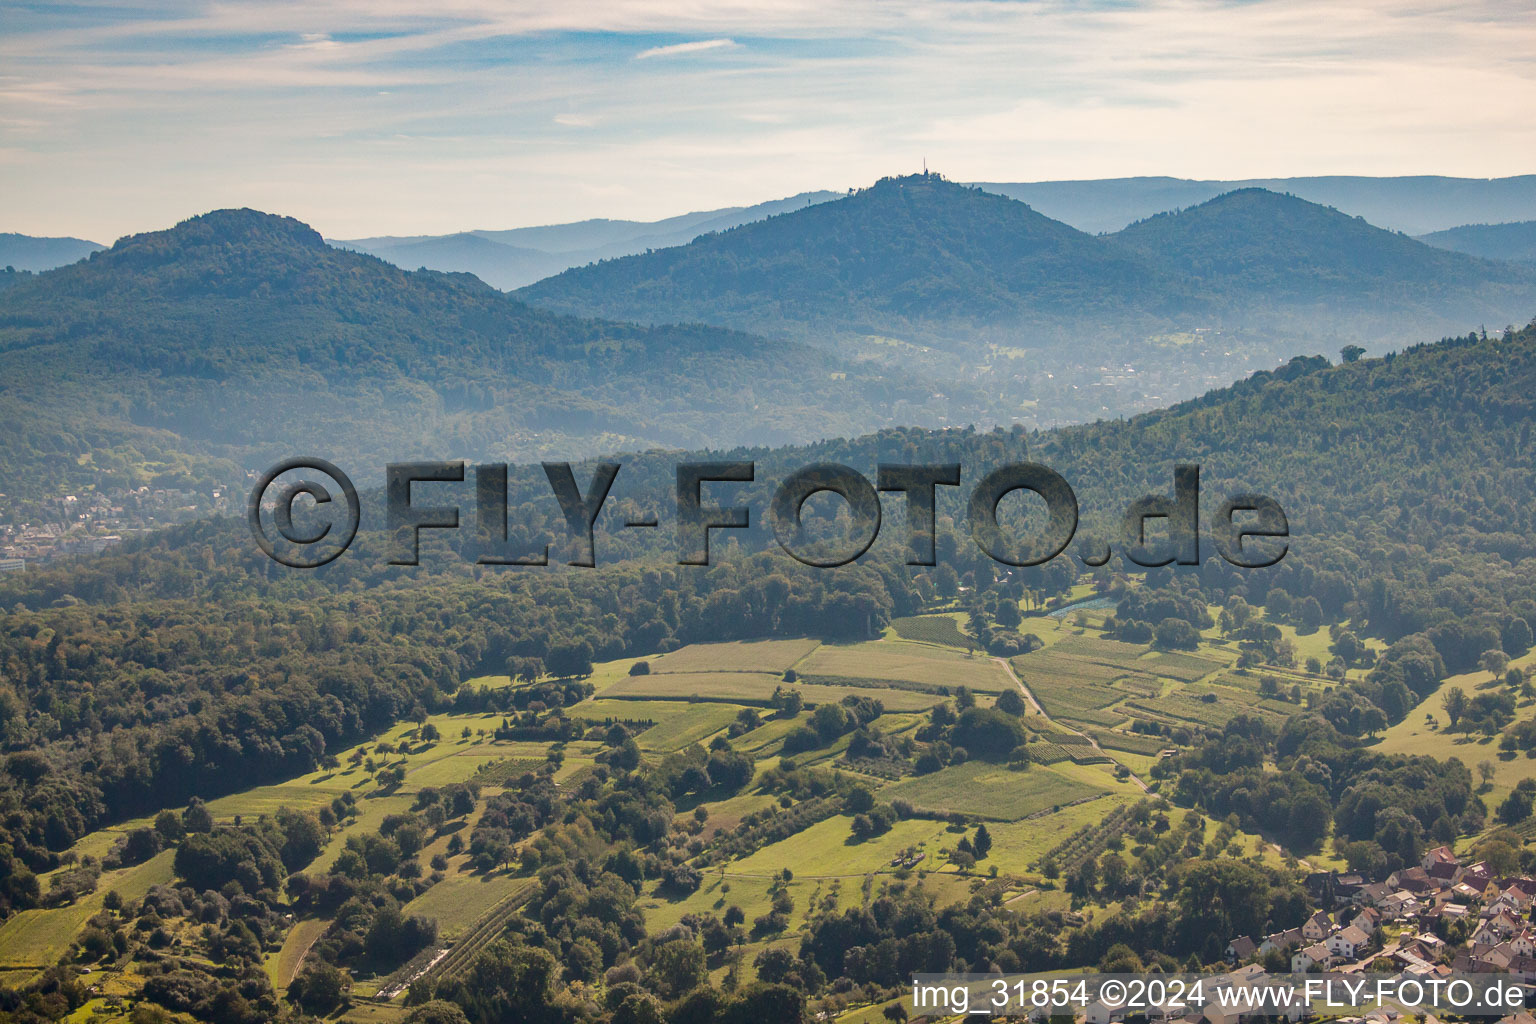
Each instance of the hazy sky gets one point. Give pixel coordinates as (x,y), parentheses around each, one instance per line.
(392,116)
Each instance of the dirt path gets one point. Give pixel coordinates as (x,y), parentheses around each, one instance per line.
(1040,709)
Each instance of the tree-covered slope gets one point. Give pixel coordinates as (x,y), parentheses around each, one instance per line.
(1409,482)
(908,253)
(239,336)
(925,259)
(1256,247)
(1513,241)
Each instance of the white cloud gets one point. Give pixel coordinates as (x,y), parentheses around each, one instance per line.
(683,49)
(375,116)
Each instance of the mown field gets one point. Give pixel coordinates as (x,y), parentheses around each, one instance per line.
(993,792)
(757,689)
(775,656)
(916,663)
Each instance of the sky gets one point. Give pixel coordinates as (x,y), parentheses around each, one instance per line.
(368,117)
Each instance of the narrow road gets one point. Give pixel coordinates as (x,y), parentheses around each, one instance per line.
(1040,709)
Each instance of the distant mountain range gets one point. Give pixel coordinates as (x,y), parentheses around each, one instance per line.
(915,302)
(509,259)
(1515,241)
(512,258)
(1414,204)
(930,262)
(27,252)
(523,255)
(237,337)
(910,257)
(1253,248)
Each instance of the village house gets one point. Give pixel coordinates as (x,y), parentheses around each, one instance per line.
(1400,906)
(1439,857)
(1478,876)
(1281,941)
(1241,948)
(1097,1013)
(1415,880)
(1317,927)
(1308,957)
(1523,969)
(1348,943)
(1367,920)
(1523,944)
(1372,894)
(1496,928)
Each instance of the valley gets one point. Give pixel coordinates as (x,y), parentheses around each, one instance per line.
(690,698)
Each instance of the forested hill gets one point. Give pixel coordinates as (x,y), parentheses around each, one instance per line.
(1409,482)
(1513,241)
(916,254)
(1252,244)
(29,252)
(929,260)
(183,357)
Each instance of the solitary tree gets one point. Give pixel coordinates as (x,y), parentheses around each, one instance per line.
(982,843)
(1455,702)
(1494,661)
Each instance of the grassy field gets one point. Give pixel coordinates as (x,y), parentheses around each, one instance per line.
(766,738)
(749,892)
(727,813)
(599,710)
(992,791)
(749,687)
(459,900)
(828,850)
(37,938)
(1016,845)
(774,656)
(898,660)
(755,689)
(1425,731)
(283,965)
(696,725)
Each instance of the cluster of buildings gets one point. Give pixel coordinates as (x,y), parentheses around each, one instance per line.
(29,543)
(1429,922)
(1448,917)
(92,521)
